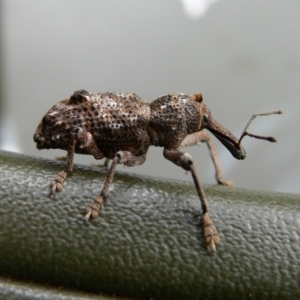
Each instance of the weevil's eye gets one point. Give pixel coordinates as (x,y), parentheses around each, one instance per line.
(206,118)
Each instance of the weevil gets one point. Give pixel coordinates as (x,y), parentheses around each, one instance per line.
(122,127)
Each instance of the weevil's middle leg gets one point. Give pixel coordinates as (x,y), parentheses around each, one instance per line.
(103,165)
(184,160)
(121,157)
(203,136)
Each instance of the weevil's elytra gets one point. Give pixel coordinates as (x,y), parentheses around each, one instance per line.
(122,127)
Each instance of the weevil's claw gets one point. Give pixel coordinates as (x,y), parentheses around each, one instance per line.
(51,192)
(212,246)
(93,209)
(87,216)
(210,233)
(57,183)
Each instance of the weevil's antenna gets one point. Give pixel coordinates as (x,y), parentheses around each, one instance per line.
(267,138)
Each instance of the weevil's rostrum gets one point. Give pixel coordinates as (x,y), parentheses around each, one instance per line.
(122,127)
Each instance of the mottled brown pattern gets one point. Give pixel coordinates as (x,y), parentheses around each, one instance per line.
(122,127)
(115,121)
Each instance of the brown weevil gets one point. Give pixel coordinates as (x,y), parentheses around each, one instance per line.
(122,127)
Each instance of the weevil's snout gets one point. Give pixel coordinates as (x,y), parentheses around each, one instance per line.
(239,153)
(224,136)
(236,149)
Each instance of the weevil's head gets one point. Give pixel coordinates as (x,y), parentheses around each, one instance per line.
(53,130)
(208,122)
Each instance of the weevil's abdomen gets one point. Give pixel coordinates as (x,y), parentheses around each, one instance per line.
(119,122)
(116,121)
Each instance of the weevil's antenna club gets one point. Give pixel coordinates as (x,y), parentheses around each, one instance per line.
(267,138)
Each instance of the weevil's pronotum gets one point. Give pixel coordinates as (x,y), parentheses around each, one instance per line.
(122,127)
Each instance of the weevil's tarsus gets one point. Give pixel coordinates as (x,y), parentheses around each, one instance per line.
(210,233)
(57,183)
(93,209)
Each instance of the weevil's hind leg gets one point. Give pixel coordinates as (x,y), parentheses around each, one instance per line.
(203,136)
(121,157)
(93,209)
(184,160)
(86,142)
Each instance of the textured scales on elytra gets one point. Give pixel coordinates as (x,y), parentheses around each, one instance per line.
(122,127)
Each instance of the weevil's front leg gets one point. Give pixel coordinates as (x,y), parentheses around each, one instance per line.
(203,136)
(121,157)
(85,141)
(57,183)
(184,160)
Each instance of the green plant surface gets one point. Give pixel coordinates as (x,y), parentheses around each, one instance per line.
(147,242)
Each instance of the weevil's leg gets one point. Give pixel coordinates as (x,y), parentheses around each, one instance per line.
(121,157)
(184,160)
(85,141)
(203,136)
(210,233)
(104,165)
(60,158)
(57,183)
